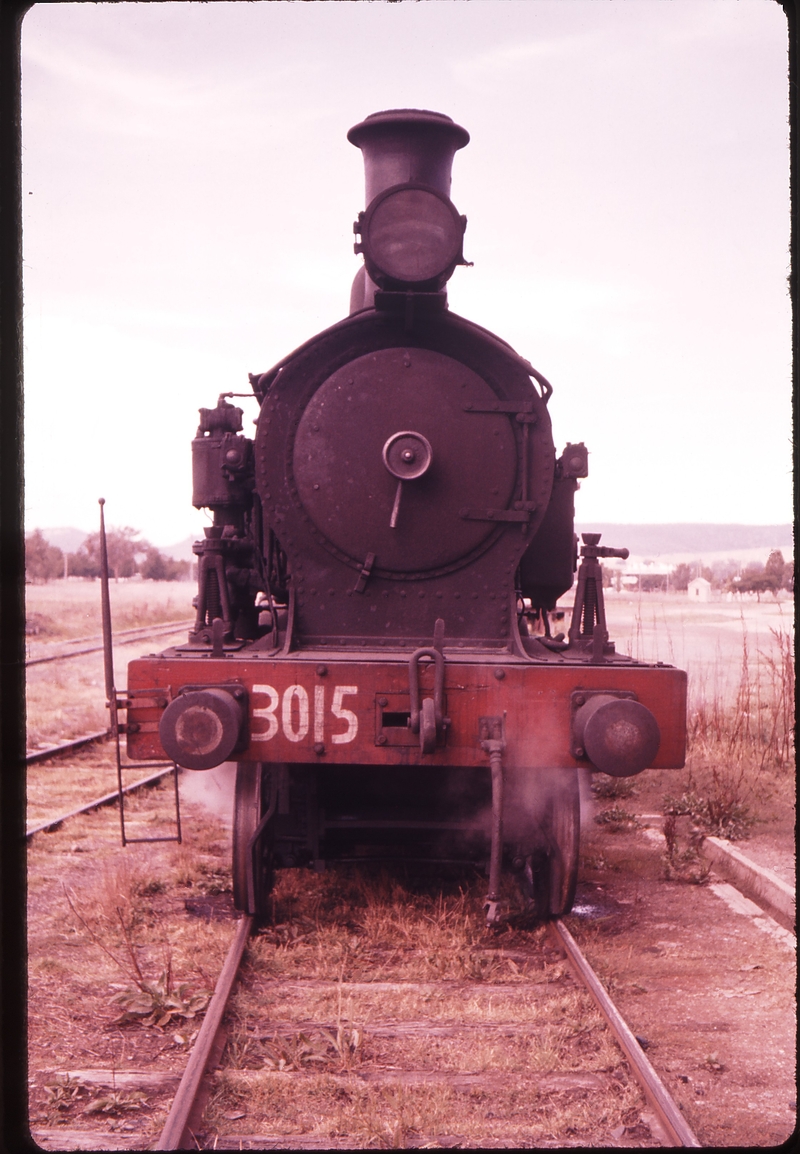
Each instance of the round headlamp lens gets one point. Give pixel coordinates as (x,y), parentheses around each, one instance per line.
(413,236)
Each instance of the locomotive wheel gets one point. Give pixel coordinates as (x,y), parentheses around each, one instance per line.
(251,799)
(550,873)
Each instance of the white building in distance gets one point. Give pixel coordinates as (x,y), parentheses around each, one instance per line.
(699,589)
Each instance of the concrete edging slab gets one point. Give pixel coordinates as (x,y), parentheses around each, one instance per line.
(757,882)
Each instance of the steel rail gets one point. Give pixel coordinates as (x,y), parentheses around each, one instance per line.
(126,637)
(129,632)
(106,799)
(177,1134)
(185,1114)
(654,1089)
(65,746)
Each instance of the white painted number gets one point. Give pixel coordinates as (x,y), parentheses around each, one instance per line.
(344,715)
(319,713)
(295,691)
(268,713)
(295,719)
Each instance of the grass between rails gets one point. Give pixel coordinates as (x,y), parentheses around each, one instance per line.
(299,1058)
(66,783)
(119,976)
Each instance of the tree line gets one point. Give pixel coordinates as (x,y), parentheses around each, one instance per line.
(771,577)
(128,554)
(756,578)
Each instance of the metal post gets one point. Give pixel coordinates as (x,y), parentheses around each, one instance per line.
(108,662)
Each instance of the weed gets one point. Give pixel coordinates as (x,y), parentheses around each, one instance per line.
(293,1052)
(289,934)
(404,1118)
(612,787)
(62,1092)
(117,914)
(682,860)
(617,819)
(151,888)
(720,814)
(242,1053)
(200,872)
(116,1102)
(157,1003)
(740,753)
(346,1042)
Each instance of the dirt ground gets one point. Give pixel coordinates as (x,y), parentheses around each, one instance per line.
(85,894)
(711,990)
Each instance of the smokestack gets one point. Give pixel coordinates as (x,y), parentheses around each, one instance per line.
(407,144)
(401,146)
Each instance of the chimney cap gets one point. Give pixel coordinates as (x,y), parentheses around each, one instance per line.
(408,118)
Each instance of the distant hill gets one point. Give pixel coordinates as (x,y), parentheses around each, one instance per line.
(182,551)
(655,540)
(70,540)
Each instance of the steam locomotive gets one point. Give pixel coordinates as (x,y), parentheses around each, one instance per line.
(372,643)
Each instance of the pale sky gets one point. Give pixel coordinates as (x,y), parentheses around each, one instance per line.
(189,196)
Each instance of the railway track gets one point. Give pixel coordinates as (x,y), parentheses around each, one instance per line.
(286,997)
(183,1129)
(34,755)
(106,799)
(87,645)
(121,637)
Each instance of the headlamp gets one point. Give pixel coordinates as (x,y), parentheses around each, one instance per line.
(411,238)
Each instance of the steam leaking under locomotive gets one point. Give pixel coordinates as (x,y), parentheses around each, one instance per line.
(372,642)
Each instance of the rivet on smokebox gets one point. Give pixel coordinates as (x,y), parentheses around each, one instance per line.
(499,674)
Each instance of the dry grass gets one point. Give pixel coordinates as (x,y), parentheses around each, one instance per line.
(741,754)
(67,699)
(359,926)
(64,610)
(66,783)
(457,1000)
(118,971)
(395,1116)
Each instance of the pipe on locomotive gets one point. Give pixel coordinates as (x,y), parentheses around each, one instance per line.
(411,233)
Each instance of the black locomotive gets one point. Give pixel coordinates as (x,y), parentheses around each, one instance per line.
(372,642)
